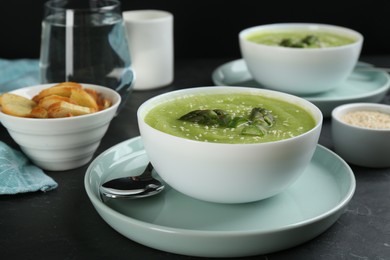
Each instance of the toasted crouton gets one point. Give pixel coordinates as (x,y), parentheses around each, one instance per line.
(39,112)
(63,89)
(47,101)
(82,98)
(94,94)
(103,103)
(16,105)
(66,109)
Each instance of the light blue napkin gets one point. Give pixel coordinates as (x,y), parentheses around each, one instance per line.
(18,73)
(18,175)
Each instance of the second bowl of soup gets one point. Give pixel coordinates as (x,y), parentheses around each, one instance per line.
(300,58)
(229,144)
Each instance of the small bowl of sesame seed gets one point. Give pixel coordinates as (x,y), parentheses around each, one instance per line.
(361,133)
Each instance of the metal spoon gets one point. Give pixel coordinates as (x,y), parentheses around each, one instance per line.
(132,187)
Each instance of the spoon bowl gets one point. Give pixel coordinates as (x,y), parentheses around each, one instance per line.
(132,187)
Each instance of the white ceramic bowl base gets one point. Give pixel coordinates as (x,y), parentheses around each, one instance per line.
(228,173)
(59,144)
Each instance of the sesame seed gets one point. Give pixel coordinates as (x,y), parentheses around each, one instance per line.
(368,119)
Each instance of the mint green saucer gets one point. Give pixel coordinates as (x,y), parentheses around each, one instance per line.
(361,86)
(179,224)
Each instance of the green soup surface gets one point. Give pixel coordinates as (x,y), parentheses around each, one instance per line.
(300,38)
(289,119)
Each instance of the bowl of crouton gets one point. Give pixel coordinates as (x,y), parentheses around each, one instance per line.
(59,126)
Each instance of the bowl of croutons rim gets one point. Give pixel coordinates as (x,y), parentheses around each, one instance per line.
(59,126)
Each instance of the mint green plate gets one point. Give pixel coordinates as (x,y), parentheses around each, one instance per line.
(179,224)
(360,86)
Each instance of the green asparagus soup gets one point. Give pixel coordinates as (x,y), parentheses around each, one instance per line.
(300,39)
(230,118)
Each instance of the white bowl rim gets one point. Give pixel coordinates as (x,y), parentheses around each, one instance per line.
(338,111)
(314,26)
(97,87)
(318,121)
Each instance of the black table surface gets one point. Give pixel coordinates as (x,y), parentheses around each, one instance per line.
(62,223)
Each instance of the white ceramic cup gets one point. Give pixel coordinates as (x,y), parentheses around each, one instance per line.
(150,38)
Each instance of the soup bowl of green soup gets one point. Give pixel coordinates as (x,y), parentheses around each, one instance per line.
(229,144)
(300,58)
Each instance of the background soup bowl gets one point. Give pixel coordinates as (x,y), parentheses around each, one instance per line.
(300,70)
(228,173)
(59,144)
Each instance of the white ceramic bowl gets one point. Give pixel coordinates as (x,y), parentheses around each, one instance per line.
(60,143)
(228,173)
(359,145)
(300,70)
